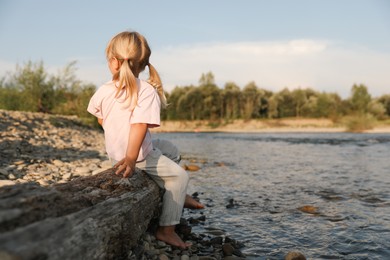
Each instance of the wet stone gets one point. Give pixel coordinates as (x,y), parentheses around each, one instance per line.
(161,244)
(163,257)
(294,256)
(227,249)
(216,241)
(191,167)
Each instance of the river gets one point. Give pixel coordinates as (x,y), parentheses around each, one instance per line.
(254,185)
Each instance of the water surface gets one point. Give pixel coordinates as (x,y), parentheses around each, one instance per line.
(265,178)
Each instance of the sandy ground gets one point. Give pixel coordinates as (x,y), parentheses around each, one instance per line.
(259,126)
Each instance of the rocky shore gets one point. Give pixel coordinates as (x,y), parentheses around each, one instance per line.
(46,149)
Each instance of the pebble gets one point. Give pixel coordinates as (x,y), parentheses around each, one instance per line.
(67,176)
(82,170)
(11,176)
(294,256)
(163,257)
(309,209)
(4,172)
(58,163)
(191,167)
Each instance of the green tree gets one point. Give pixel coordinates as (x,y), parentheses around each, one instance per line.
(299,99)
(71,94)
(31,81)
(231,101)
(360,98)
(207,79)
(328,105)
(192,103)
(212,97)
(385,101)
(377,109)
(305,101)
(264,103)
(175,110)
(285,105)
(250,105)
(273,106)
(310,106)
(359,118)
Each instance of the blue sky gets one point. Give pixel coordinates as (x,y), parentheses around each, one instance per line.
(325,45)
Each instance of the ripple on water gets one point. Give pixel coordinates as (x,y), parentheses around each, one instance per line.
(266,178)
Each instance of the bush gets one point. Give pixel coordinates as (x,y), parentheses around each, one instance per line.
(360,123)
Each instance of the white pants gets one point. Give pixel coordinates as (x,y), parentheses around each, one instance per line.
(168,174)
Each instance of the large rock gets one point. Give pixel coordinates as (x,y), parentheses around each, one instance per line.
(95,217)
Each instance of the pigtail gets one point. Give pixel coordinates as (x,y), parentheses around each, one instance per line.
(128,82)
(155,81)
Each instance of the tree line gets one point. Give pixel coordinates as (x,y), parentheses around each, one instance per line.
(209,102)
(31,88)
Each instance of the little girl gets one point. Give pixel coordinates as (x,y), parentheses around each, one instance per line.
(127,107)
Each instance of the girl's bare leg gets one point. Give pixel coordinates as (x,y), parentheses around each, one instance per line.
(191,203)
(169,236)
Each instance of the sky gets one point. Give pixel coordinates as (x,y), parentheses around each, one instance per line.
(326,45)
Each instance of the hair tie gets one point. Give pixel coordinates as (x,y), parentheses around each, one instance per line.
(126,59)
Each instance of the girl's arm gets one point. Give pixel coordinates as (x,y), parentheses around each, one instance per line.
(136,137)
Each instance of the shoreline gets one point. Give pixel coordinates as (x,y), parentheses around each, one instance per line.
(288,125)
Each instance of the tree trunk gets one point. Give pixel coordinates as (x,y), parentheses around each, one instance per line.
(94,217)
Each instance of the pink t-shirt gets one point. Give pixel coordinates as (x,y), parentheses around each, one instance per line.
(117,117)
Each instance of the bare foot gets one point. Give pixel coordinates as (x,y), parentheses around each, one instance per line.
(169,236)
(191,203)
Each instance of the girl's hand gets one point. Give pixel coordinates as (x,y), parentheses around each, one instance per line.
(136,137)
(125,166)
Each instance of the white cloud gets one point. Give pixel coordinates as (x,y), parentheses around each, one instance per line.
(321,65)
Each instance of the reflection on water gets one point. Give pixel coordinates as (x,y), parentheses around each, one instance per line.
(254,185)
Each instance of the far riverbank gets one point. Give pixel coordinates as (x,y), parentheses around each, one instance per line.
(304,125)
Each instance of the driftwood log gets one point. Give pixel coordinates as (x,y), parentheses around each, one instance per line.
(94,217)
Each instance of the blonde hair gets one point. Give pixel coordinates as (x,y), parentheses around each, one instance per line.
(133,52)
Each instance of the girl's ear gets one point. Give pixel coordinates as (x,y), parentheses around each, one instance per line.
(116,63)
